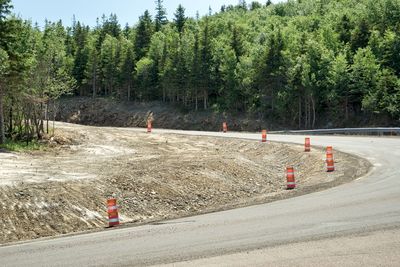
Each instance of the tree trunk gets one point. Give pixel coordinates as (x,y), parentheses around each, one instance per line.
(54,116)
(94,84)
(41,123)
(36,125)
(205,99)
(197,100)
(47,116)
(2,131)
(10,118)
(306,113)
(26,130)
(299,112)
(314,112)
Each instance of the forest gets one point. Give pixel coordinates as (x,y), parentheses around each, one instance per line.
(304,63)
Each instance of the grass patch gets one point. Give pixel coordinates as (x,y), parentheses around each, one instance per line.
(19,146)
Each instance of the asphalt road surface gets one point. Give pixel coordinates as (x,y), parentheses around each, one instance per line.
(355,224)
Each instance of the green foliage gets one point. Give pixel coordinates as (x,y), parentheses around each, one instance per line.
(255,5)
(109,57)
(299,63)
(180,18)
(5,8)
(20,146)
(385,97)
(4,63)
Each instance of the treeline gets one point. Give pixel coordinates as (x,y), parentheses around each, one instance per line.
(34,71)
(302,63)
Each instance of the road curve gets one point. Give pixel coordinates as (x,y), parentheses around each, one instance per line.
(366,207)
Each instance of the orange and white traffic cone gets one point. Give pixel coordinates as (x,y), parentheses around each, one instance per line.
(112,209)
(307,145)
(264,136)
(291,183)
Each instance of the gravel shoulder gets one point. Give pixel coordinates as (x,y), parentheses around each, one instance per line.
(154,176)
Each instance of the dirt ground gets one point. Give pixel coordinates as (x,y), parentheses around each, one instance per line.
(64,189)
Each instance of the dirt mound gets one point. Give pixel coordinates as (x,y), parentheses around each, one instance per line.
(153,176)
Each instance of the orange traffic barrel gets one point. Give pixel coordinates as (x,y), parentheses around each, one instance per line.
(291,183)
(224,127)
(149,126)
(264,136)
(307,145)
(112,209)
(330,163)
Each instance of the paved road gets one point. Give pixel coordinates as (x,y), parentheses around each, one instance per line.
(353,224)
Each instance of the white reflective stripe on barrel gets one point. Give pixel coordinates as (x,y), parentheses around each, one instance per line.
(111,208)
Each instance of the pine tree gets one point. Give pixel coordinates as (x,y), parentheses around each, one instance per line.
(111,26)
(126,66)
(161,15)
(206,58)
(126,31)
(80,34)
(5,9)
(344,29)
(196,70)
(237,42)
(361,35)
(242,4)
(270,77)
(255,5)
(180,18)
(109,62)
(92,67)
(144,31)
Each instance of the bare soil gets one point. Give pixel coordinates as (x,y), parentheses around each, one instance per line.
(154,177)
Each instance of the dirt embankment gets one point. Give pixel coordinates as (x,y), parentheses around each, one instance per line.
(106,112)
(109,112)
(154,177)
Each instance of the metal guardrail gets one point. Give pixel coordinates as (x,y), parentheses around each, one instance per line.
(347,131)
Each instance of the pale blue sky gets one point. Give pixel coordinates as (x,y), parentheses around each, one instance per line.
(87,11)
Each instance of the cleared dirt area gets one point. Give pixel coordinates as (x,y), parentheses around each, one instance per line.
(154,177)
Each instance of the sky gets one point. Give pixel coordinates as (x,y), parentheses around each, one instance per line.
(127,11)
